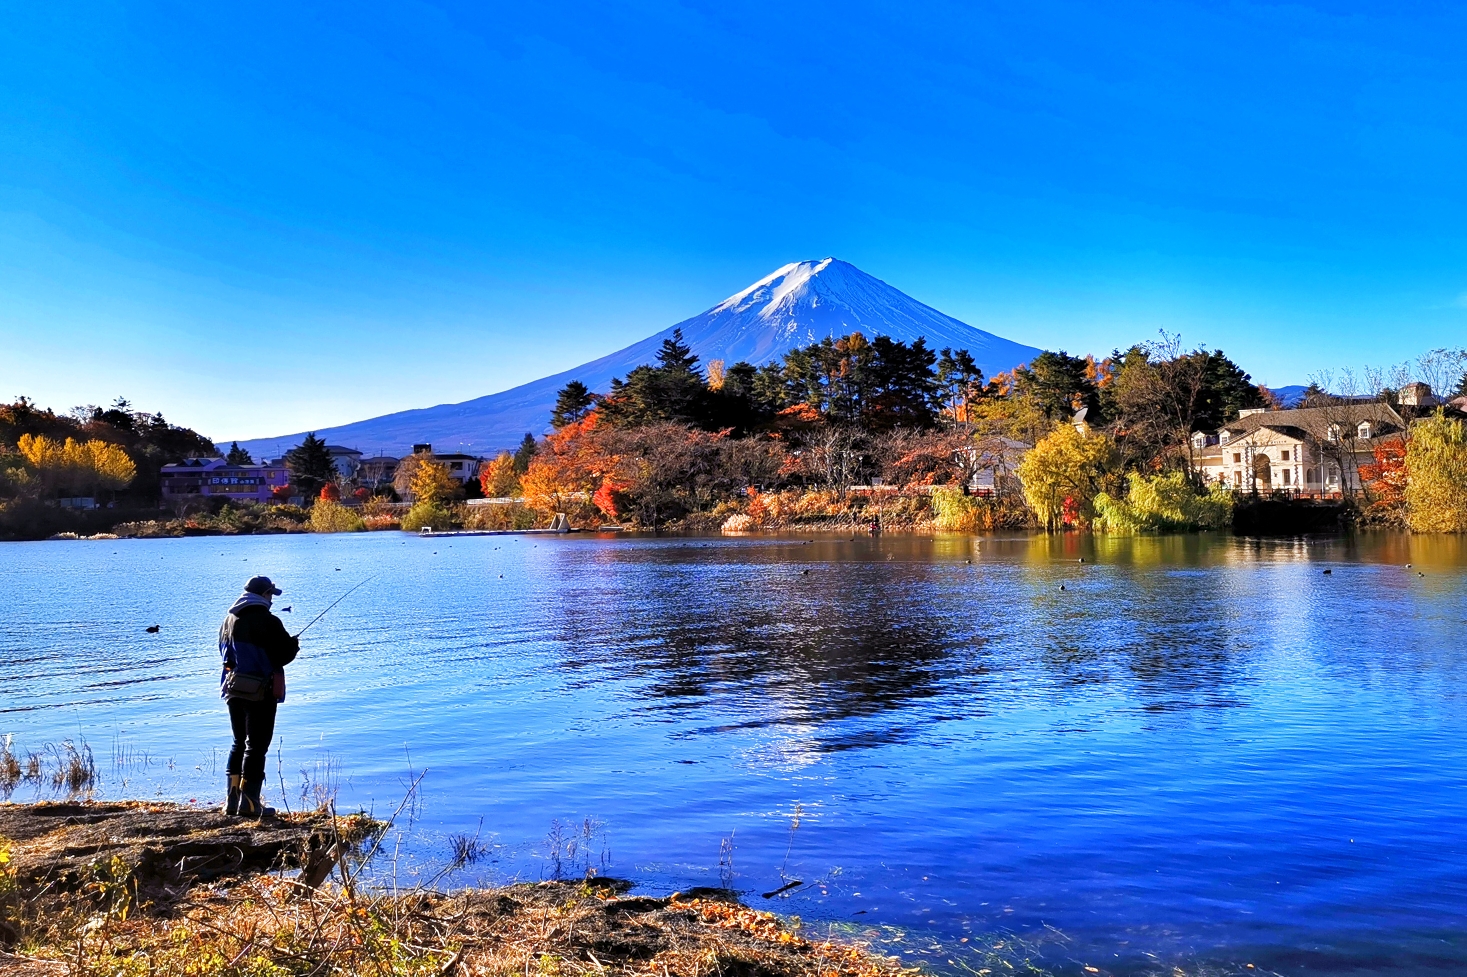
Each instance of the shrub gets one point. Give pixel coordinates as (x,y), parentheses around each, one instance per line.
(954,512)
(740,522)
(333,517)
(510,516)
(429,515)
(1164,504)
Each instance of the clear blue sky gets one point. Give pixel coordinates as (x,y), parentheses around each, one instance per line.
(265,217)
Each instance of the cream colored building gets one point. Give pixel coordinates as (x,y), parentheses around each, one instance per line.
(1313,451)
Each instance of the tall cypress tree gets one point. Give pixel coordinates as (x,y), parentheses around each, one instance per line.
(527,450)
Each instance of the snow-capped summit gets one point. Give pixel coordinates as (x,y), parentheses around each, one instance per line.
(806,301)
(797,304)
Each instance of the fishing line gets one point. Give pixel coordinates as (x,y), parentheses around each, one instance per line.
(334,603)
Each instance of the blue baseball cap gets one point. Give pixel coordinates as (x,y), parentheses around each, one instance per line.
(262,586)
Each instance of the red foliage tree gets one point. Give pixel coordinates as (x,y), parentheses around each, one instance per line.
(330,493)
(1385,477)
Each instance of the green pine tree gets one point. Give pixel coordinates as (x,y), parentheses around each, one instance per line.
(311,466)
(526,451)
(573,402)
(237,455)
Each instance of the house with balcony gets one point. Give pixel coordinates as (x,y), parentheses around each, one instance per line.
(1306,451)
(197,479)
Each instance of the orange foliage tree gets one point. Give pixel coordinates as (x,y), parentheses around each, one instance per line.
(568,469)
(1386,476)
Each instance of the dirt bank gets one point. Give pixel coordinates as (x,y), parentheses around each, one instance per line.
(164,890)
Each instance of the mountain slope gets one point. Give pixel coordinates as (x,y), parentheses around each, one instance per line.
(798,304)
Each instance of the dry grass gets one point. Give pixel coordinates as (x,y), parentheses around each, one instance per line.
(67,767)
(267,926)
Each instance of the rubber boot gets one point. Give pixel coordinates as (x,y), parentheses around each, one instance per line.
(231,803)
(250,805)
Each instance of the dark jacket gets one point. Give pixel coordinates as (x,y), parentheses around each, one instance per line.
(254,641)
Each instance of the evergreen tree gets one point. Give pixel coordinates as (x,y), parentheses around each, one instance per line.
(311,466)
(526,451)
(572,403)
(237,455)
(1060,384)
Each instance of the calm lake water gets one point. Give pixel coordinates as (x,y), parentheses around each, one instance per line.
(1196,752)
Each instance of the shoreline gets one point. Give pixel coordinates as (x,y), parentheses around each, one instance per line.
(166,889)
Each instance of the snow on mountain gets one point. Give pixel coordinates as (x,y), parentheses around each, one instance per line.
(798,304)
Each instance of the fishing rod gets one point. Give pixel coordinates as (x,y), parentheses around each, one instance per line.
(334,603)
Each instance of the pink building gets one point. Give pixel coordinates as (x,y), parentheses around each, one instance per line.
(199,478)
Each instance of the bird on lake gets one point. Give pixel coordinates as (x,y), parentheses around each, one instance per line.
(804,572)
(1328,572)
(1082,559)
(285,610)
(153,630)
(1420,574)
(1062,586)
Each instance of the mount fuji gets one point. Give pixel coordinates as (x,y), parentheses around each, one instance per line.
(796,305)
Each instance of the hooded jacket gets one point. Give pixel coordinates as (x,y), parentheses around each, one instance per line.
(254,641)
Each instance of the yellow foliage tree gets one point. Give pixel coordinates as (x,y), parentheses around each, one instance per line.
(1436,472)
(431,483)
(499,480)
(1064,473)
(73,466)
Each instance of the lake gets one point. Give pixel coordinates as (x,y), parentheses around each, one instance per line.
(1196,752)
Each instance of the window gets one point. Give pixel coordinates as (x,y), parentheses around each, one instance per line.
(1237,478)
(1224,437)
(1286,476)
(1310,475)
(1364,429)
(1334,433)
(457,466)
(1237,457)
(1284,455)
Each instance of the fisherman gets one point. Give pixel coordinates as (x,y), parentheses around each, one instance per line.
(256,648)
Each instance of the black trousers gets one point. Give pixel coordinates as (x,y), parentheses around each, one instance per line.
(254,726)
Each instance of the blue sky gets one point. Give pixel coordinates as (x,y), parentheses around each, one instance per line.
(270,217)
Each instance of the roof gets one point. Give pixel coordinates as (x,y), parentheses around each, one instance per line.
(1313,423)
(337,449)
(456,456)
(213,465)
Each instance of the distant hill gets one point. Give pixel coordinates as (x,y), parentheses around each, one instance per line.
(1291,395)
(798,304)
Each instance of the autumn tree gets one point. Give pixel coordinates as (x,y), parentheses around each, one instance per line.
(498,478)
(1385,477)
(1436,468)
(311,465)
(568,469)
(1064,473)
(74,467)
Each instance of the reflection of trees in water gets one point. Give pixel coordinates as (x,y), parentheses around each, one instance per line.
(844,643)
(884,638)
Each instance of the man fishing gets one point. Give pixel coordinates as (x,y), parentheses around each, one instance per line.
(256,648)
